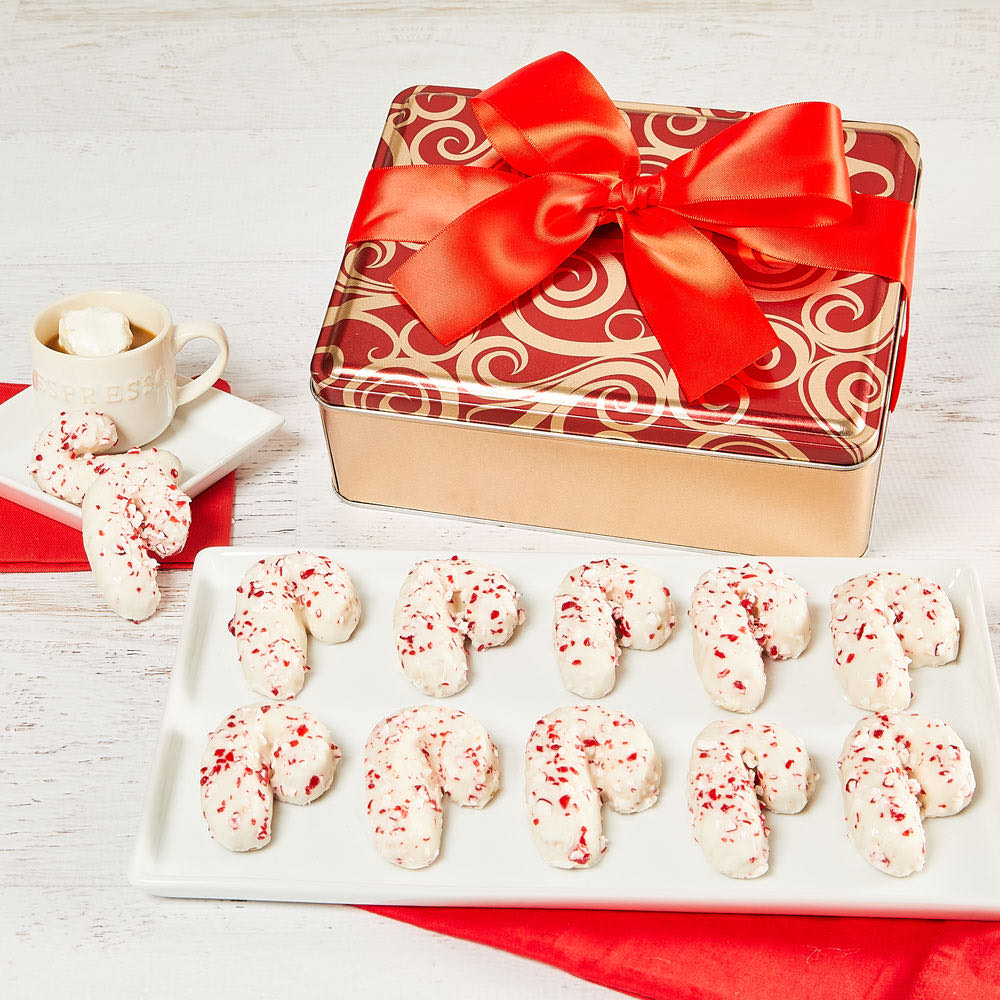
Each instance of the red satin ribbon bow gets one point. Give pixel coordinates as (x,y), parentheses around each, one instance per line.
(776,181)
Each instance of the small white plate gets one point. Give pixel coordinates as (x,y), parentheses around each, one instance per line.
(324,853)
(210,435)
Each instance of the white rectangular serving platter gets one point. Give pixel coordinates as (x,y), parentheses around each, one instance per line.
(211,435)
(323,852)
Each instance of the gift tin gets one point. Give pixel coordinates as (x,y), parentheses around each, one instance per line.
(562,411)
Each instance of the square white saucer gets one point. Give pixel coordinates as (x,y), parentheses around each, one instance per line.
(211,436)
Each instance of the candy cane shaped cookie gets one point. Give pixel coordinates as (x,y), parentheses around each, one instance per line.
(68,453)
(258,752)
(278,601)
(576,758)
(737,615)
(599,608)
(442,603)
(736,772)
(133,514)
(895,769)
(414,758)
(883,623)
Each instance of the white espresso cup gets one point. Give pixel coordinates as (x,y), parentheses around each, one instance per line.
(137,388)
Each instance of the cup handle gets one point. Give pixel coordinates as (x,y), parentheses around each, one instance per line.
(193,330)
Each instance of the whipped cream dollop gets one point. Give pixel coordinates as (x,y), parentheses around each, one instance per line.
(94,332)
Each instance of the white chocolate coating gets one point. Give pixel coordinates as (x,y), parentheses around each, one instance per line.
(278,601)
(883,623)
(65,459)
(414,758)
(600,607)
(576,758)
(895,769)
(737,771)
(258,752)
(133,514)
(442,603)
(94,331)
(737,615)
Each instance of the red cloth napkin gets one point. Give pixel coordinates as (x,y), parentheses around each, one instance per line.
(674,956)
(33,543)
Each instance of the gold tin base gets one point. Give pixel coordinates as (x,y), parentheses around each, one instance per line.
(603,487)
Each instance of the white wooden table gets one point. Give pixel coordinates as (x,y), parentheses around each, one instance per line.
(211,153)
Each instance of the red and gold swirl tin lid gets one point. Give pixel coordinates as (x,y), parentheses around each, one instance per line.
(575,354)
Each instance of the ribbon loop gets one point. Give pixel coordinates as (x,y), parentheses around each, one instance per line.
(781,167)
(553,115)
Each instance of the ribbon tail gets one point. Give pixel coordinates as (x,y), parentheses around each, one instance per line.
(497,250)
(412,203)
(700,312)
(879,238)
(897,375)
